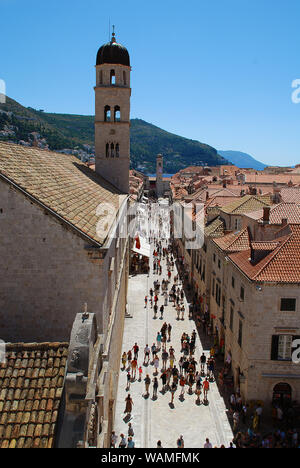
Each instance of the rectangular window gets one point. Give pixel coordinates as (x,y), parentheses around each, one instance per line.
(219,264)
(288,305)
(242,293)
(232,281)
(231,319)
(240,337)
(218,294)
(282,347)
(214,258)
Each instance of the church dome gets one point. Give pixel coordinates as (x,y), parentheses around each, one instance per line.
(112,52)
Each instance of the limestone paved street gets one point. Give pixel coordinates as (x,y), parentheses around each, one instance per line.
(154,420)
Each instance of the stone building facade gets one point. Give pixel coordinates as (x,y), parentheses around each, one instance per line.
(248,280)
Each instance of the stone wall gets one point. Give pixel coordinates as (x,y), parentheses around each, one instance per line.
(46,274)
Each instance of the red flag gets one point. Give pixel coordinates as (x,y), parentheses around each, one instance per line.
(137,242)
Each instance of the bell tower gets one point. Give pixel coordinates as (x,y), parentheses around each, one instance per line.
(159,175)
(112,114)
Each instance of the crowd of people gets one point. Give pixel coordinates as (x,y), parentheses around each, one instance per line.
(181,372)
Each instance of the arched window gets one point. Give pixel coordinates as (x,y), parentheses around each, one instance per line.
(117,114)
(124,78)
(112,150)
(106,114)
(112,77)
(117,150)
(107,150)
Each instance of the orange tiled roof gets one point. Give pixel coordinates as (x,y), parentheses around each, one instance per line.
(282,265)
(290,195)
(63,184)
(233,242)
(31,385)
(289,211)
(260,178)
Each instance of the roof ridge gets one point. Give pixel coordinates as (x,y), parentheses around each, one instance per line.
(36,345)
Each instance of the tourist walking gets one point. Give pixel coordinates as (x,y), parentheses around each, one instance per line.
(113,440)
(156,364)
(146,354)
(124,360)
(122,443)
(155,387)
(173,390)
(158,340)
(163,380)
(133,368)
(205,388)
(182,383)
(169,332)
(129,404)
(147,381)
(180,442)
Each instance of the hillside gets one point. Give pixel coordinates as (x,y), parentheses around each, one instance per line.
(75,133)
(242,160)
(147,141)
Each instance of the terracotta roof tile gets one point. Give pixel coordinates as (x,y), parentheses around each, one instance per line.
(29,403)
(214,228)
(62,183)
(289,211)
(290,195)
(234,242)
(246,204)
(282,265)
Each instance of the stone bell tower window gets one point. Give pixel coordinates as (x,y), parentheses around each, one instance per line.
(106,114)
(117,114)
(107,150)
(112,77)
(112,150)
(117,150)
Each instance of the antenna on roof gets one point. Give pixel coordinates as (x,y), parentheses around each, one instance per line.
(109,29)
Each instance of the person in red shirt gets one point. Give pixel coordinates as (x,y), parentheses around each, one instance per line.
(135,350)
(205,388)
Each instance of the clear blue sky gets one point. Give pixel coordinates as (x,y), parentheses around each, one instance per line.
(218,71)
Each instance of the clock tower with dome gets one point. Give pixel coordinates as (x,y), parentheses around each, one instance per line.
(112,114)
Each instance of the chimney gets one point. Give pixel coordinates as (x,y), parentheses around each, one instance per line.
(266,215)
(284,222)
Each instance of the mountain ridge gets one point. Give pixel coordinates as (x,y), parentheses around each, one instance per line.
(74,133)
